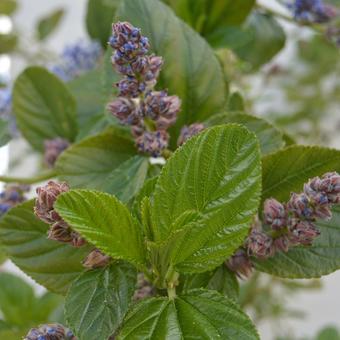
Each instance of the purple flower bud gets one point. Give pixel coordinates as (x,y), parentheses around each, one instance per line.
(52,331)
(330,184)
(130,87)
(240,264)
(259,244)
(138,129)
(125,110)
(96,259)
(61,232)
(300,206)
(153,143)
(53,148)
(302,232)
(275,214)
(281,243)
(144,289)
(189,131)
(12,195)
(152,69)
(161,108)
(47,195)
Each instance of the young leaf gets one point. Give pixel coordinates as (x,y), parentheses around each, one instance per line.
(191,70)
(43,107)
(287,170)
(201,315)
(106,162)
(99,17)
(48,24)
(270,138)
(321,258)
(268,38)
(216,174)
(105,222)
(52,264)
(99,299)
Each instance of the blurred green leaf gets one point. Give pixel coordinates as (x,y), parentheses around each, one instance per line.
(49,23)
(43,107)
(99,18)
(8,7)
(5,136)
(328,333)
(8,42)
(268,38)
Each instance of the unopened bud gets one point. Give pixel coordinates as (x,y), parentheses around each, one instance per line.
(96,259)
(47,195)
(50,332)
(240,264)
(302,232)
(259,244)
(130,87)
(53,148)
(300,206)
(189,131)
(144,289)
(125,110)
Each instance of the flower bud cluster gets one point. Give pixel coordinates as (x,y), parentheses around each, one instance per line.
(312,11)
(53,148)
(77,59)
(149,113)
(44,210)
(52,331)
(11,196)
(290,224)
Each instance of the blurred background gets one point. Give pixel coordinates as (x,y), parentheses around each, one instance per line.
(282,309)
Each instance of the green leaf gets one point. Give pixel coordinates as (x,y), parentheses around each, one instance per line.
(105,222)
(52,264)
(216,174)
(8,42)
(191,70)
(200,315)
(268,38)
(87,91)
(106,162)
(222,280)
(270,138)
(99,299)
(236,102)
(322,258)
(5,136)
(328,333)
(287,170)
(49,23)
(99,17)
(8,7)
(43,107)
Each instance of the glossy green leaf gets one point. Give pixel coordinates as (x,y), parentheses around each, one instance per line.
(99,18)
(322,258)
(8,42)
(191,70)
(99,299)
(49,23)
(8,7)
(43,107)
(268,38)
(216,175)
(287,170)
(270,138)
(200,315)
(106,162)
(105,222)
(52,264)
(5,136)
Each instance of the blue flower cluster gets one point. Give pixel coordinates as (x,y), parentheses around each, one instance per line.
(52,331)
(77,59)
(11,196)
(309,11)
